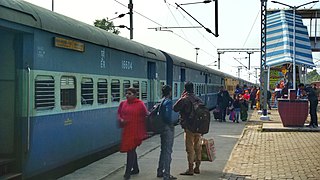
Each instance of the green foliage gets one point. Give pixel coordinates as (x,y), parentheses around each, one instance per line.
(313,76)
(106,25)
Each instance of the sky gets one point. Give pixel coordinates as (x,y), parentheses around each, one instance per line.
(238,26)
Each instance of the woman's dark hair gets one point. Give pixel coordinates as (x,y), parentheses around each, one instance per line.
(166,89)
(188,87)
(132,89)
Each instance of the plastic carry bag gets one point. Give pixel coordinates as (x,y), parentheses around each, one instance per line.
(208,150)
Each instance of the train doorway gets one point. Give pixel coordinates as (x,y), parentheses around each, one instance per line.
(7,93)
(152,82)
(182,79)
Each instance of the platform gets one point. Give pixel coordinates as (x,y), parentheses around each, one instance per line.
(225,134)
(247,150)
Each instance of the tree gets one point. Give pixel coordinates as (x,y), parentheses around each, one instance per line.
(313,76)
(106,25)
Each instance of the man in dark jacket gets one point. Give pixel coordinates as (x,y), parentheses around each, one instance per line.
(313,99)
(223,101)
(192,139)
(253,96)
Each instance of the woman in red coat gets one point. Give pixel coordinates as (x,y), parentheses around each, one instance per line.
(131,115)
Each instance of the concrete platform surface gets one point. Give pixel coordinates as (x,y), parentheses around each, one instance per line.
(254,149)
(225,134)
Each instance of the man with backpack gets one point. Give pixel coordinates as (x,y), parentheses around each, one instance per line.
(192,138)
(166,135)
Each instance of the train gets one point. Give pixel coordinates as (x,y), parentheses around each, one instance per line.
(62,81)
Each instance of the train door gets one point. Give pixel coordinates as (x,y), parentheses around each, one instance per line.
(7,93)
(206,89)
(182,79)
(152,83)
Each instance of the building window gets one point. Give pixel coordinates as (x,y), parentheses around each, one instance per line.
(115,90)
(68,92)
(144,90)
(102,91)
(44,92)
(135,85)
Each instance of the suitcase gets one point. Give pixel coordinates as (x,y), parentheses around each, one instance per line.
(216,114)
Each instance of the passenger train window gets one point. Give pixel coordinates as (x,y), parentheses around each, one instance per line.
(175,90)
(102,91)
(197,89)
(135,85)
(126,85)
(44,92)
(115,90)
(162,84)
(68,92)
(87,91)
(144,90)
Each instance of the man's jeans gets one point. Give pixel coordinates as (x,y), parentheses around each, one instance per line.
(167,137)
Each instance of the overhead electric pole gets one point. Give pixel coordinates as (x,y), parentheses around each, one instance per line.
(130,6)
(247,50)
(263,60)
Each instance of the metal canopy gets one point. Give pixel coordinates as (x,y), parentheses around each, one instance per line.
(304,13)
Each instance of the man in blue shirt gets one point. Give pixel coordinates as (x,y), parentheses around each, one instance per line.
(166,135)
(301,94)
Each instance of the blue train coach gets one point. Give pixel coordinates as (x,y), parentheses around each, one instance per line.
(62,81)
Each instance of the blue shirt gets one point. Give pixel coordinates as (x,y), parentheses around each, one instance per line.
(167,110)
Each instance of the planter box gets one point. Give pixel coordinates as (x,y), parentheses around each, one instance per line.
(293,113)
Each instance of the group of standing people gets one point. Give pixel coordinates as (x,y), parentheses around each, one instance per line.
(131,116)
(236,107)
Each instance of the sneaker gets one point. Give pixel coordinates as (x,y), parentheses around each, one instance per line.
(133,172)
(310,126)
(187,173)
(170,178)
(126,177)
(159,175)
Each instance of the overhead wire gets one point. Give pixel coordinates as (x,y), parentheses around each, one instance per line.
(185,39)
(192,25)
(251,29)
(140,14)
(240,63)
(167,4)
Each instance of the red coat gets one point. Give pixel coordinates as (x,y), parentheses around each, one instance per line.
(246,97)
(134,130)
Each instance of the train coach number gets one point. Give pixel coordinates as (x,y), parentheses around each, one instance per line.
(127,65)
(103,59)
